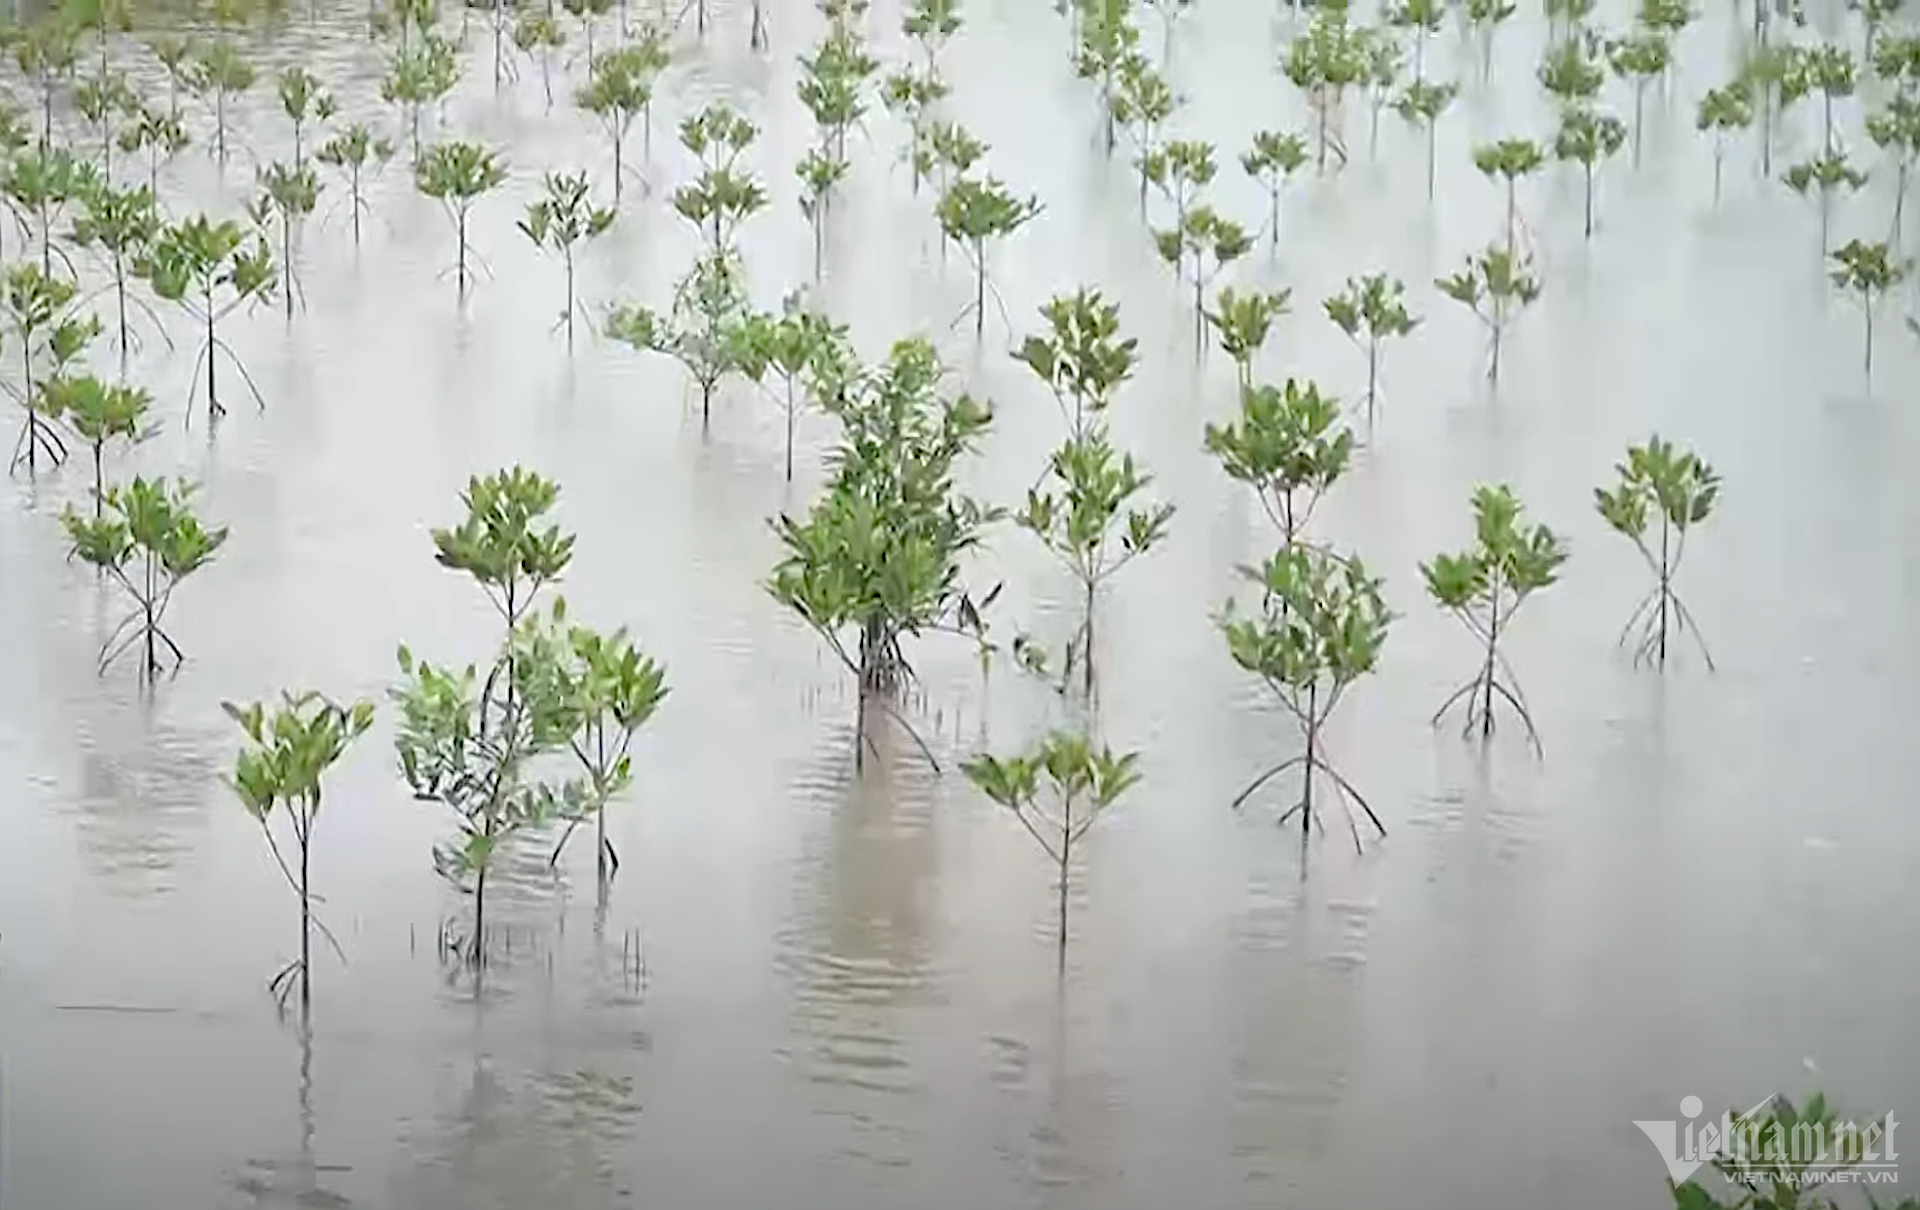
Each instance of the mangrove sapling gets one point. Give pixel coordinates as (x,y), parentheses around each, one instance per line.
(39,186)
(1668,17)
(1496,286)
(288,194)
(469,742)
(1320,628)
(1180,170)
(1108,44)
(1831,72)
(1484,587)
(820,170)
(286,756)
(1272,160)
(932,24)
(1083,784)
(830,87)
(1896,131)
(877,558)
(175,56)
(420,76)
(1084,516)
(305,103)
(1198,251)
(37,311)
(698,331)
(102,102)
(619,90)
(47,51)
(208,270)
(1724,110)
(1382,59)
(124,223)
(588,13)
(147,540)
(1825,174)
(726,193)
(1566,16)
(1874,15)
(1776,75)
(799,343)
(1423,19)
(1371,309)
(1587,136)
(161,134)
(458,174)
(1323,63)
(1640,57)
(538,36)
(1289,446)
(351,152)
(99,413)
(1420,104)
(218,74)
(1483,21)
(951,152)
(911,97)
(1657,478)
(1082,358)
(1242,323)
(566,216)
(1510,160)
(1869,271)
(1570,70)
(1143,105)
(971,212)
(612,690)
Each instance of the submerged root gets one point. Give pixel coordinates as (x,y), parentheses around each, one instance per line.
(1477,693)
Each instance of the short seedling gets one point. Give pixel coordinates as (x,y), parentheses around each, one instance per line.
(1588,137)
(699,330)
(1272,160)
(1289,446)
(1641,57)
(619,92)
(1382,61)
(217,74)
(1083,784)
(1371,309)
(42,326)
(1420,104)
(1323,63)
(801,347)
(1869,271)
(287,755)
(912,97)
(1198,251)
(726,193)
(457,175)
(306,103)
(160,134)
(288,194)
(1659,479)
(99,413)
(194,263)
(565,217)
(1510,160)
(353,152)
(1484,587)
(1724,110)
(973,211)
(1320,628)
(1180,170)
(102,102)
(148,540)
(469,742)
(123,223)
(877,558)
(1496,286)
(1143,105)
(1826,174)
(1243,322)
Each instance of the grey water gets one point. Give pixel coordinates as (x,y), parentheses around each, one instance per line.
(849,994)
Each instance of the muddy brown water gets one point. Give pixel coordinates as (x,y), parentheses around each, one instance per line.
(849,995)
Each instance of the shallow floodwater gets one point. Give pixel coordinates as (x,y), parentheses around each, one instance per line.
(844,993)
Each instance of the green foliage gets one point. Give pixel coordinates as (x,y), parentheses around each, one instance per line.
(1323,63)
(103,100)
(98,413)
(1289,446)
(800,345)
(1143,104)
(1199,249)
(1496,285)
(1241,322)
(699,330)
(457,174)
(288,194)
(1587,136)
(820,171)
(209,271)
(352,152)
(421,74)
(217,73)
(1772,1149)
(1371,309)
(1642,56)
(563,217)
(1082,357)
(1079,783)
(40,184)
(1670,486)
(1895,129)
(161,134)
(1722,111)
(726,193)
(973,211)
(912,96)
(619,91)
(1109,46)
(1825,175)
(1421,103)
(1272,160)
(305,101)
(1868,271)
(1571,70)
(537,35)
(147,539)
(832,86)
(278,772)
(1484,586)
(877,558)
(37,310)
(1321,626)
(123,223)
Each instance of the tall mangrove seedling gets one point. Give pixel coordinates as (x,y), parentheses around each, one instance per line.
(161,134)
(1199,250)
(1082,782)
(1660,481)
(726,193)
(1082,357)
(306,103)
(1868,271)
(972,212)
(1420,104)
(420,76)
(911,97)
(1641,57)
(457,175)
(1242,322)
(123,223)
(1371,309)
(41,324)
(1896,131)
(618,92)
(103,101)
(1107,45)
(1272,160)
(47,51)
(537,35)
(877,558)
(1496,286)
(832,87)
(1484,586)
(288,194)
(1320,628)
(566,216)
(1180,169)
(1825,175)
(1510,160)
(99,413)
(471,742)
(218,74)
(148,540)
(699,331)
(352,152)
(207,270)
(1143,105)
(1724,110)
(1588,138)
(286,756)
(1323,63)
(1289,446)
(801,347)
(39,186)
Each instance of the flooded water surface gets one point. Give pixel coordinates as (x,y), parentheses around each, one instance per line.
(817,988)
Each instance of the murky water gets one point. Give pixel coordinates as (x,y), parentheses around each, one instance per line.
(848,996)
